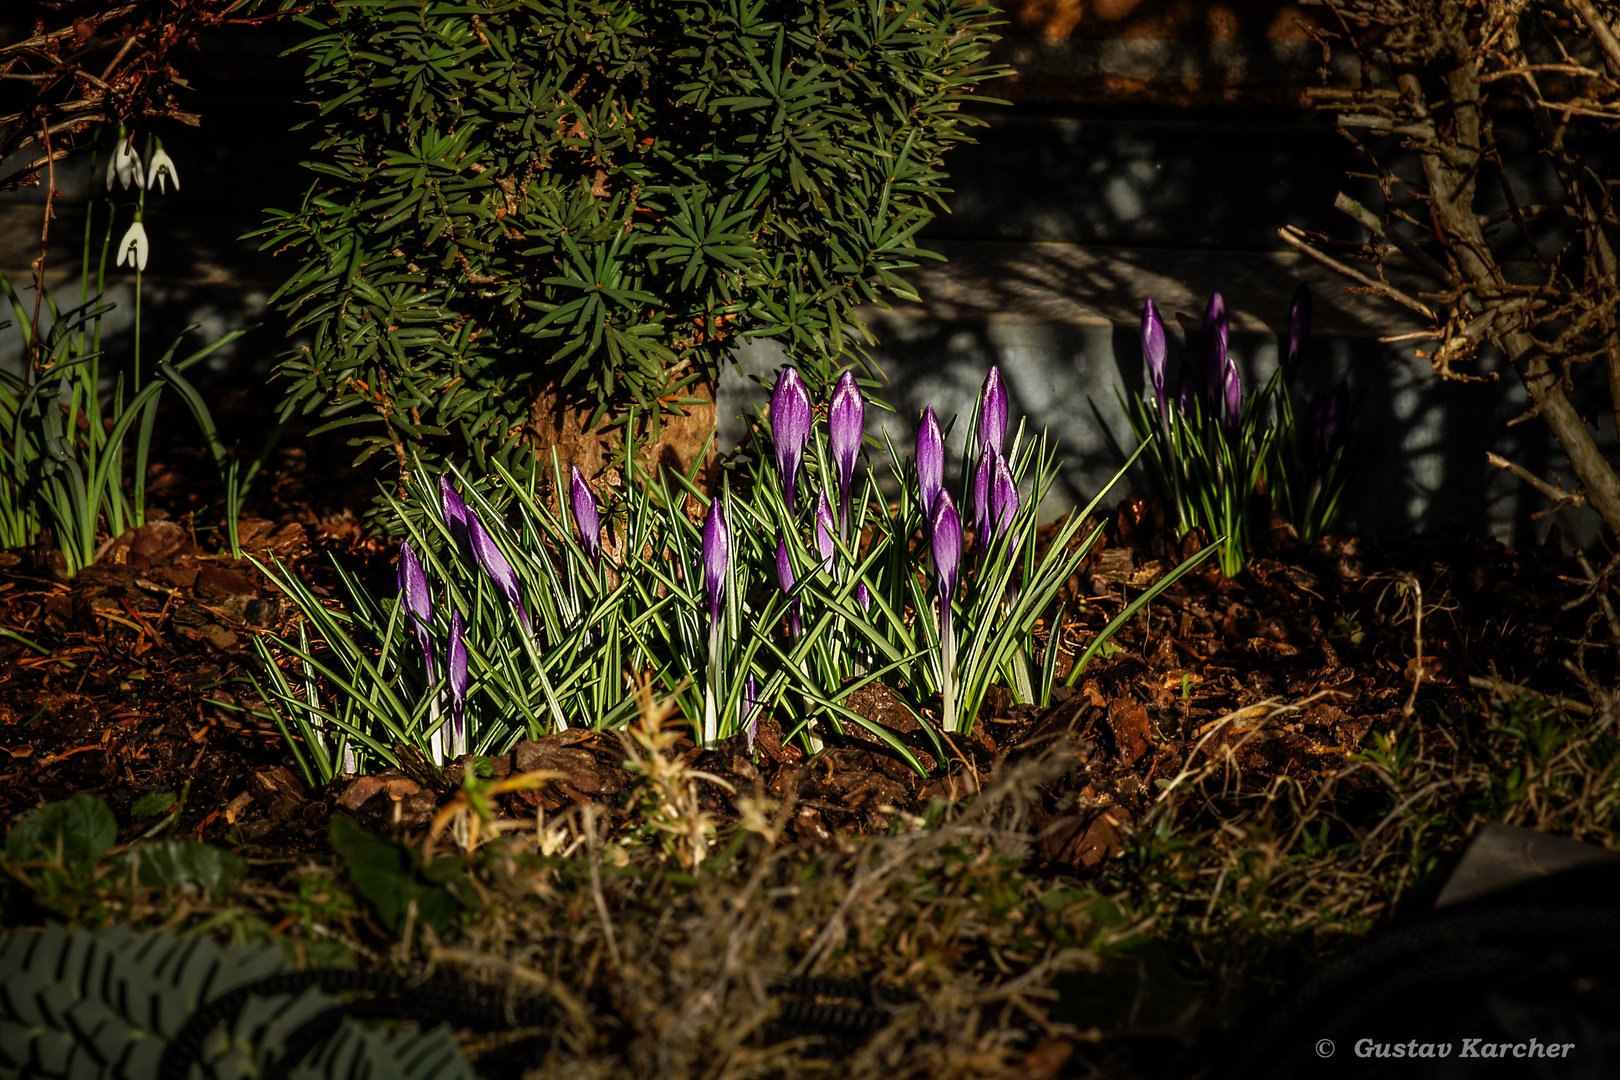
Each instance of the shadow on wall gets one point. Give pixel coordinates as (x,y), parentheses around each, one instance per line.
(1427,439)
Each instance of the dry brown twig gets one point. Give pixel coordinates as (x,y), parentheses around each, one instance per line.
(1441,76)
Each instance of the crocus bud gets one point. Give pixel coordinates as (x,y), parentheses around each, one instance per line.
(1299,325)
(946,531)
(161,172)
(826,526)
(981,496)
(1232,393)
(784,578)
(1217,329)
(586,518)
(846,421)
(1327,418)
(863,596)
(455,511)
(791,416)
(456,661)
(992,413)
(1155,351)
(1003,497)
(930,461)
(417,599)
(495,566)
(716,556)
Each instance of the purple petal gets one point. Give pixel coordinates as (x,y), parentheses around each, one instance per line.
(826,526)
(1327,418)
(455,511)
(457,663)
(981,496)
(1155,351)
(1299,325)
(495,565)
(992,413)
(417,598)
(716,556)
(930,461)
(784,578)
(946,530)
(1003,497)
(791,416)
(1217,331)
(863,596)
(1233,393)
(846,422)
(586,518)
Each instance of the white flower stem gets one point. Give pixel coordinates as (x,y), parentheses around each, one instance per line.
(711,715)
(947,667)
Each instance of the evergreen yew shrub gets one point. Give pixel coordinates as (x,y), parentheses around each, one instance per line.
(604,196)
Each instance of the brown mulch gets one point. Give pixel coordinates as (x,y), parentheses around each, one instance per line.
(142,684)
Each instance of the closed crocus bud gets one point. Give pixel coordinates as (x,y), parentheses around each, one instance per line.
(1155,352)
(456,661)
(946,531)
(1232,393)
(495,566)
(1327,419)
(992,413)
(586,518)
(716,556)
(981,496)
(863,596)
(784,578)
(846,421)
(1003,497)
(791,417)
(930,461)
(826,527)
(455,511)
(1217,330)
(161,172)
(1299,325)
(417,599)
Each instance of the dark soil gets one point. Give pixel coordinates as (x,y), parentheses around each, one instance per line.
(142,679)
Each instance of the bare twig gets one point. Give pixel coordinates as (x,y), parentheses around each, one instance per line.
(1295,238)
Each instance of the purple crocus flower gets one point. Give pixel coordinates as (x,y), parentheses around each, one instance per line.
(1217,329)
(1003,497)
(791,417)
(981,497)
(930,461)
(1326,420)
(455,511)
(863,596)
(1232,393)
(992,413)
(1155,352)
(825,527)
(457,663)
(716,557)
(947,544)
(417,597)
(586,518)
(500,572)
(784,578)
(1299,325)
(846,421)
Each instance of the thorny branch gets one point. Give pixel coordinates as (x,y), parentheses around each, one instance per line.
(1440,77)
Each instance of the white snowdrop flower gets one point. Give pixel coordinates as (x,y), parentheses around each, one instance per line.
(125,167)
(134,247)
(160,171)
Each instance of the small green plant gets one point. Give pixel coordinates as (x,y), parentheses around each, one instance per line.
(604,196)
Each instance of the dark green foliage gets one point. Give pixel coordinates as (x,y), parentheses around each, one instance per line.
(87,1005)
(605,194)
(392,876)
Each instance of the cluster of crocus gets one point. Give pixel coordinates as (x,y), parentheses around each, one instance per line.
(416,598)
(1223,460)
